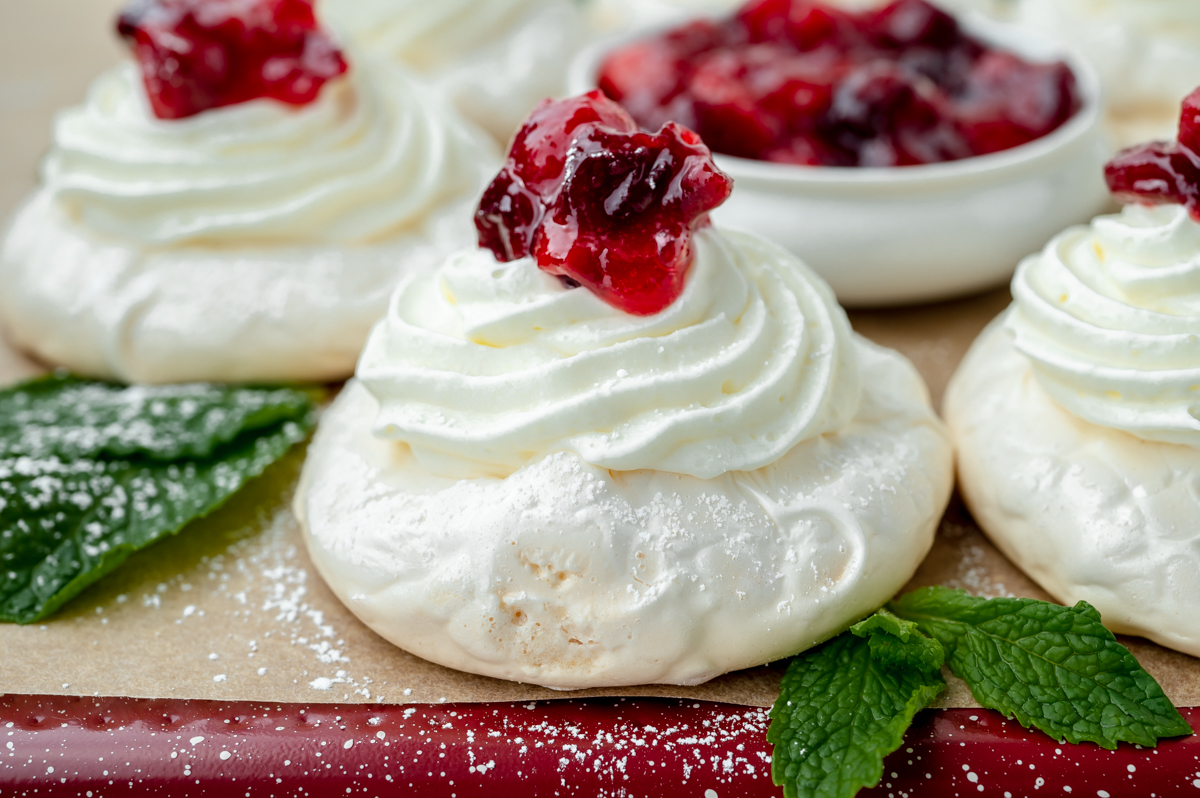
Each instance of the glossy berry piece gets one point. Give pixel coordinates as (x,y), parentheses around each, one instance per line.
(1162,172)
(813,25)
(725,105)
(765,20)
(513,206)
(622,223)
(806,24)
(912,23)
(646,77)
(602,204)
(1189,122)
(1007,101)
(888,116)
(1158,173)
(196,55)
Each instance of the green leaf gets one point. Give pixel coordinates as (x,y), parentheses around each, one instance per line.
(64,416)
(899,643)
(1054,668)
(71,511)
(840,712)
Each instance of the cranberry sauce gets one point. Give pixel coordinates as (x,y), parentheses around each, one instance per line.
(202,54)
(1162,172)
(602,204)
(802,82)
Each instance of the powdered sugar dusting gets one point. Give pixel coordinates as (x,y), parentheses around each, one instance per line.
(972,572)
(230,608)
(263,577)
(64,417)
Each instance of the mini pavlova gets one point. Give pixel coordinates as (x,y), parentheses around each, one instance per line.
(1077,414)
(615,445)
(237,203)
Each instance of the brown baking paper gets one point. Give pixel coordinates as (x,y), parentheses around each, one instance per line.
(232,608)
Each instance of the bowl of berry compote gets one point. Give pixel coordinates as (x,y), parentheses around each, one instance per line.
(907,155)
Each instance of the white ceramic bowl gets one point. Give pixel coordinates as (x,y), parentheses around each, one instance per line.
(893,236)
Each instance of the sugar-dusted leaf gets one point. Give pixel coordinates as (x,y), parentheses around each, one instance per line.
(840,712)
(1051,667)
(64,416)
(66,520)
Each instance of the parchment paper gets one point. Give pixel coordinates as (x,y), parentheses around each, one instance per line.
(232,609)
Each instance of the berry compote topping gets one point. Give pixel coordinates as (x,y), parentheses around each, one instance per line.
(802,82)
(202,54)
(1162,172)
(602,204)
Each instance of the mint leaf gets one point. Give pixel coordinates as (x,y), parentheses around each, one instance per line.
(72,510)
(840,712)
(1054,668)
(61,415)
(899,643)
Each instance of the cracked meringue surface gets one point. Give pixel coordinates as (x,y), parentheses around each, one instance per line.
(552,566)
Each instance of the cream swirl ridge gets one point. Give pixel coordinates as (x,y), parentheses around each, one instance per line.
(1109,316)
(428,35)
(484,367)
(372,157)
(494,60)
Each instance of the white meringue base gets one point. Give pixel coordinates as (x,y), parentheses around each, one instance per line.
(1090,513)
(571,576)
(110,310)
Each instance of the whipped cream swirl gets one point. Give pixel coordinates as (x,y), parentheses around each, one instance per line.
(1109,315)
(428,35)
(372,157)
(485,367)
(494,60)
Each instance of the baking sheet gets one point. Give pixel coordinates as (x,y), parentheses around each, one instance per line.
(232,609)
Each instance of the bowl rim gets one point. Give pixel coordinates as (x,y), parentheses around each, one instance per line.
(1025,41)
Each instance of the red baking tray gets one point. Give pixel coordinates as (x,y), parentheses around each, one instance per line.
(92,747)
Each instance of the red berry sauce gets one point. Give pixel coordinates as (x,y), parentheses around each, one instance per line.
(802,82)
(1162,172)
(202,54)
(601,203)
